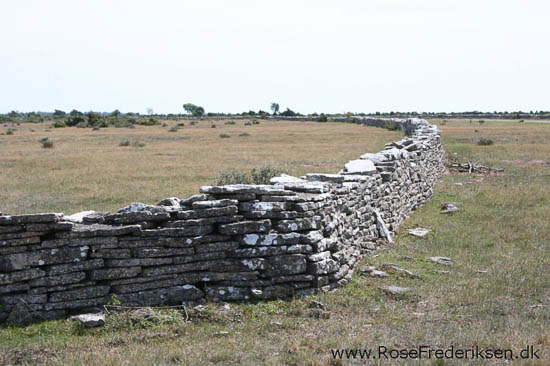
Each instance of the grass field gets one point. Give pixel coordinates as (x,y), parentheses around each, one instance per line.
(496,295)
(88,169)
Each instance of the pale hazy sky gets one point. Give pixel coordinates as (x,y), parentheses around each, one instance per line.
(313,56)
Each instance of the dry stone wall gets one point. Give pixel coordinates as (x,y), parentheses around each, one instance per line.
(234,242)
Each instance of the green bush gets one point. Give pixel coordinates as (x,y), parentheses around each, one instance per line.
(151,121)
(213,125)
(193,123)
(46,143)
(230,122)
(257,175)
(485,142)
(391,125)
(248,123)
(262,175)
(73,120)
(124,143)
(10,131)
(224,136)
(173,129)
(255,122)
(322,118)
(232,177)
(59,124)
(244,134)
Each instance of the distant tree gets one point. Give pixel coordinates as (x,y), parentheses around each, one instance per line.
(149,111)
(289,113)
(13,114)
(59,113)
(194,110)
(74,112)
(275,108)
(115,113)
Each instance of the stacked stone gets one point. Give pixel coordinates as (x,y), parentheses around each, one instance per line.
(233,242)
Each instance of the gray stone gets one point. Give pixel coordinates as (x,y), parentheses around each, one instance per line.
(214,203)
(32,218)
(245,227)
(442,260)
(285,178)
(264,206)
(63,279)
(81,293)
(419,232)
(448,208)
(90,320)
(169,202)
(270,239)
(285,265)
(114,273)
(18,276)
(376,273)
(360,166)
(207,212)
(395,290)
(75,267)
(331,178)
(77,217)
(246,188)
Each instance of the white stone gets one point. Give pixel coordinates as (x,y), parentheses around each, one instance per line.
(360,166)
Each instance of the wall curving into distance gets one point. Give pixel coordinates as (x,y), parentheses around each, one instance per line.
(236,242)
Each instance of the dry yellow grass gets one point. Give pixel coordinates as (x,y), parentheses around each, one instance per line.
(496,295)
(88,169)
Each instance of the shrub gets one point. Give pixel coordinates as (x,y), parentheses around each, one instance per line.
(10,131)
(255,122)
(138,144)
(481,121)
(213,125)
(224,136)
(257,175)
(73,120)
(263,174)
(322,118)
(173,129)
(164,124)
(193,123)
(124,143)
(485,142)
(46,143)
(59,124)
(248,123)
(230,122)
(96,129)
(244,134)
(151,121)
(232,177)
(181,124)
(391,125)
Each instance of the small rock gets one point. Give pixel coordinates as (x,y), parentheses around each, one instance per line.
(395,290)
(141,313)
(449,207)
(442,272)
(77,217)
(442,260)
(393,267)
(482,272)
(317,305)
(419,232)
(379,274)
(276,324)
(221,333)
(90,320)
(366,269)
(170,201)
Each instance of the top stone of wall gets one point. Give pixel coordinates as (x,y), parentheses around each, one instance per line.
(235,242)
